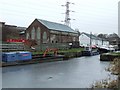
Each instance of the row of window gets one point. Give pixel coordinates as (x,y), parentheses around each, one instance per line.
(36,33)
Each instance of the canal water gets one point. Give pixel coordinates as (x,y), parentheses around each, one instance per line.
(79,72)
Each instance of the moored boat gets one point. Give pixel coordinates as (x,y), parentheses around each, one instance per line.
(89,52)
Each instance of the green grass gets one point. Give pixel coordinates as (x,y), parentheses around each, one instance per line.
(61,51)
(71,50)
(40,52)
(115,53)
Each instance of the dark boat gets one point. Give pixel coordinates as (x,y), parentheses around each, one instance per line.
(103,50)
(89,52)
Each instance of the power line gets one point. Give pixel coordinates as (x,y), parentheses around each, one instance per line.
(29,7)
(26,15)
(19,12)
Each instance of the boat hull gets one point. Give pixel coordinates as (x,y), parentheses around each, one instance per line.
(90,53)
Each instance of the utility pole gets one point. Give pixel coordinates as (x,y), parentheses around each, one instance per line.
(90,39)
(67,13)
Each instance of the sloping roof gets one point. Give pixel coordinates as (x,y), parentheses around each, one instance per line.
(56,26)
(91,36)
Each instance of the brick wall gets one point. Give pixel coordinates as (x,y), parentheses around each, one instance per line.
(9,32)
(43,29)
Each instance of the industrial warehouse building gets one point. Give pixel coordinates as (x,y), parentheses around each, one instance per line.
(48,34)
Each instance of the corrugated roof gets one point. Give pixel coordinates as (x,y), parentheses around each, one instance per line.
(91,36)
(56,26)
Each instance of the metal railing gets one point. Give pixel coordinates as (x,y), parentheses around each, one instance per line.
(52,45)
(22,47)
(12,47)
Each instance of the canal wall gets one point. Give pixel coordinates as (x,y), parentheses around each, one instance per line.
(68,55)
(38,58)
(108,57)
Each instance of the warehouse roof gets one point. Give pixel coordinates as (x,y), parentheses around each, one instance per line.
(56,26)
(91,36)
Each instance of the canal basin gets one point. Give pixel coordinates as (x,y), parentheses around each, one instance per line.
(79,72)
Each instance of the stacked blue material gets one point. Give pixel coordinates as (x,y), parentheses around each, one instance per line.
(9,57)
(16,56)
(24,55)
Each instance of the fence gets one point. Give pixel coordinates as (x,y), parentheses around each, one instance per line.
(22,47)
(52,45)
(12,47)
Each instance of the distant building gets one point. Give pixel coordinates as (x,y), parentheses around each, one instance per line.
(46,32)
(11,32)
(86,39)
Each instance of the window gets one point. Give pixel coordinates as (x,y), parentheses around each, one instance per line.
(44,37)
(38,33)
(73,38)
(27,36)
(33,33)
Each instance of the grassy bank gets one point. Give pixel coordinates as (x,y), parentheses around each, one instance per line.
(115,53)
(73,50)
(68,53)
(112,53)
(109,56)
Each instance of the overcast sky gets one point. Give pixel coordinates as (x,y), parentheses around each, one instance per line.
(96,16)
